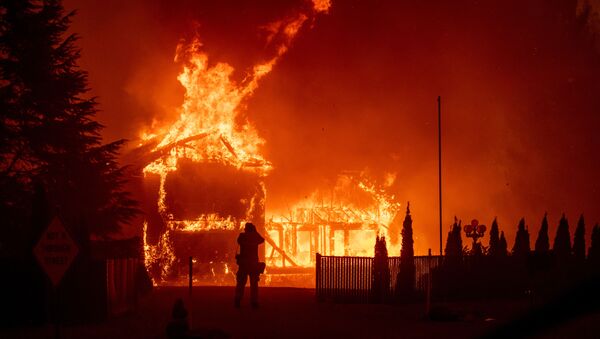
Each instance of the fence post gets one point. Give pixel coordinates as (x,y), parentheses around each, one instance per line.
(428,295)
(318,277)
(191,272)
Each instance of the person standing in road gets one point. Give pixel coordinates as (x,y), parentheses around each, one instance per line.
(248,264)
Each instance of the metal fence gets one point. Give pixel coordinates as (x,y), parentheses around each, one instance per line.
(348,279)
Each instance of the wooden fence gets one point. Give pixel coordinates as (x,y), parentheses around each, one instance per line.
(348,279)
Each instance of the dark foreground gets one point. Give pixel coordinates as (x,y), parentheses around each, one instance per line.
(294,313)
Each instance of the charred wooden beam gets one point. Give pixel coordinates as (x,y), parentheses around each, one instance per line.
(278,249)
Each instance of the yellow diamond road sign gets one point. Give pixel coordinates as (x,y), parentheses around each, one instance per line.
(55,251)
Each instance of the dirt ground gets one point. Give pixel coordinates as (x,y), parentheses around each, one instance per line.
(295,313)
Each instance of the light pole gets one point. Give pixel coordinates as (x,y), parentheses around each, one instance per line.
(440,164)
(475,231)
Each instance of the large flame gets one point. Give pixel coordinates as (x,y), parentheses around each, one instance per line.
(343,220)
(206,130)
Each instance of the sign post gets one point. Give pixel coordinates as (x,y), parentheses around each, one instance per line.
(55,252)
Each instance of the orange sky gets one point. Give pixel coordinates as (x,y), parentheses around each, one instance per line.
(358,91)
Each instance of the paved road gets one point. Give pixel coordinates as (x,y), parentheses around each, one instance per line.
(285,313)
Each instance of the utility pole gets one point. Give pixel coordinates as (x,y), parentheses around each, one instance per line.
(440,164)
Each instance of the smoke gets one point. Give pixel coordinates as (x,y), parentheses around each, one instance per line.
(518,81)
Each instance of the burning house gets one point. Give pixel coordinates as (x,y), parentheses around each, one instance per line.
(342,220)
(203,173)
(197,212)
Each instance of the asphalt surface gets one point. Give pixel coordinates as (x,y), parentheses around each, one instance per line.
(293,313)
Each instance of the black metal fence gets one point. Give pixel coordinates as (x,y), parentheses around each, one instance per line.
(348,279)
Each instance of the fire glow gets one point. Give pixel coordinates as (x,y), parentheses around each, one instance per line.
(208,131)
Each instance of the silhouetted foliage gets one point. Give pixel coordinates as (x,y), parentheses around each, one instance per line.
(594,251)
(579,240)
(562,241)
(477,249)
(502,245)
(49,135)
(381,271)
(454,247)
(494,239)
(521,247)
(542,243)
(405,282)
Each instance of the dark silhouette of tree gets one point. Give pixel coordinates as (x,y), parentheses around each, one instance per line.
(502,245)
(521,247)
(542,243)
(494,239)
(405,282)
(579,240)
(380,272)
(594,251)
(49,132)
(562,241)
(454,247)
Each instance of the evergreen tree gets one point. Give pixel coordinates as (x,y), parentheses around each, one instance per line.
(49,132)
(449,249)
(594,251)
(494,239)
(521,247)
(502,245)
(454,247)
(380,271)
(562,241)
(542,243)
(579,240)
(405,282)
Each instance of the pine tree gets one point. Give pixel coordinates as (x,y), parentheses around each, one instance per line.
(502,245)
(454,250)
(380,271)
(594,251)
(494,239)
(50,135)
(521,247)
(579,240)
(562,241)
(454,247)
(405,282)
(449,249)
(542,243)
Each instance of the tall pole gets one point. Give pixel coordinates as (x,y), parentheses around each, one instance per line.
(191,284)
(440,163)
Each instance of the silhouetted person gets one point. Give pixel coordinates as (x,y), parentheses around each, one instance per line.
(178,327)
(248,265)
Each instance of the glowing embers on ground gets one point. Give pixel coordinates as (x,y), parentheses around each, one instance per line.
(209,130)
(339,221)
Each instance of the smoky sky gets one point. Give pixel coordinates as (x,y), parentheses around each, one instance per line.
(357,91)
